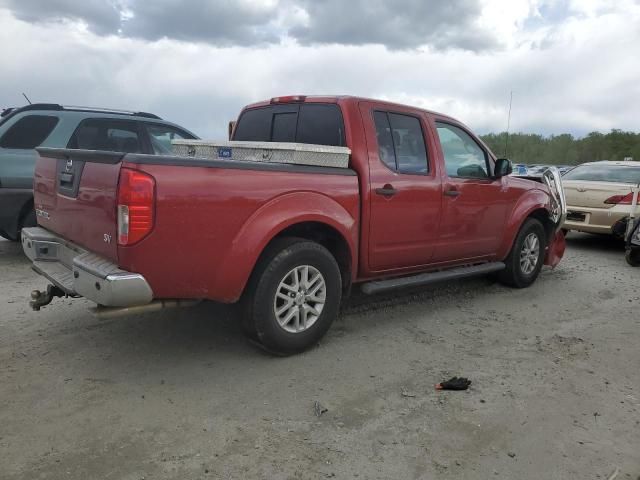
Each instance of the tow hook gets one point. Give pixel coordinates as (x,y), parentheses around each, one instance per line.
(40,299)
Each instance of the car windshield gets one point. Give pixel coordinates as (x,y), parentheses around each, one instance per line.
(605,173)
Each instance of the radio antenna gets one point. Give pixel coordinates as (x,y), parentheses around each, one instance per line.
(25,96)
(506,140)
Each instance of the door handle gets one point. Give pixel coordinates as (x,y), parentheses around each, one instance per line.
(386,191)
(452,192)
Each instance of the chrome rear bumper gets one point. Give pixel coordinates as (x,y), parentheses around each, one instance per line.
(79,272)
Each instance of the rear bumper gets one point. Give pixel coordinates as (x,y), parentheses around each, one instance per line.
(79,272)
(597,220)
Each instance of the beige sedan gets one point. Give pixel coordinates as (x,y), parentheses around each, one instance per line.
(599,194)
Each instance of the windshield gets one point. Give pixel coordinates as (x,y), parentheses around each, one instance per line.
(605,173)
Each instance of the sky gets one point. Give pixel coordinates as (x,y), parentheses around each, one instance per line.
(573,65)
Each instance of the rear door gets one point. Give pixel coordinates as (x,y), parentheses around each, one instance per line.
(475,205)
(406,192)
(18,139)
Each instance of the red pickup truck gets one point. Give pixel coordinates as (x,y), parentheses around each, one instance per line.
(422,200)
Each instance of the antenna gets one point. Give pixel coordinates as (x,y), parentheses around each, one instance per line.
(25,96)
(506,140)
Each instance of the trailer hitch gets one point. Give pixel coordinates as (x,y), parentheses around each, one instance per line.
(40,299)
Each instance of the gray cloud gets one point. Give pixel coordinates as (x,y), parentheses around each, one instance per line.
(399,24)
(402,24)
(223,22)
(101,16)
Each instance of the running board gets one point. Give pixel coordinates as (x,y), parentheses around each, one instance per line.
(378,286)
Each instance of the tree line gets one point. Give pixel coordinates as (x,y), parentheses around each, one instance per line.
(565,149)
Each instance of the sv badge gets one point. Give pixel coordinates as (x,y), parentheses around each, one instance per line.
(107,238)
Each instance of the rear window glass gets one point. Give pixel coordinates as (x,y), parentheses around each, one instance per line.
(315,123)
(28,132)
(604,173)
(107,135)
(401,142)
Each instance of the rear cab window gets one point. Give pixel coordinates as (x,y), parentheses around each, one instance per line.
(28,132)
(313,123)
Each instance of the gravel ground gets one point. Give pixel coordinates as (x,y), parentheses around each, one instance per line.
(181,394)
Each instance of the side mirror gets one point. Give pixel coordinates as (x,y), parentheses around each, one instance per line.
(502,168)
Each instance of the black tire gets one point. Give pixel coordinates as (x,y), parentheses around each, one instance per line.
(259,317)
(514,275)
(28,219)
(633,257)
(11,238)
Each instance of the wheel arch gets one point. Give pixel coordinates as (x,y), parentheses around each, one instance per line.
(532,205)
(317,218)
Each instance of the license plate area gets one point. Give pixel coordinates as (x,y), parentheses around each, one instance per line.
(576,216)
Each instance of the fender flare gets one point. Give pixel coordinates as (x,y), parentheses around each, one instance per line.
(266,223)
(527,204)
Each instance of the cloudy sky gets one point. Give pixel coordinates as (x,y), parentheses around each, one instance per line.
(573,65)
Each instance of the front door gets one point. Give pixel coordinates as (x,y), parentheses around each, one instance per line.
(406,194)
(475,205)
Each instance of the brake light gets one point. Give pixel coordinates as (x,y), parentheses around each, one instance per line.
(620,199)
(136,198)
(289,99)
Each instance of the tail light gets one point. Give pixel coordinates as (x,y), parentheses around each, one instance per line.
(620,199)
(136,198)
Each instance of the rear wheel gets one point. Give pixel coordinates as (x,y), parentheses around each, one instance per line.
(633,257)
(7,236)
(525,260)
(293,296)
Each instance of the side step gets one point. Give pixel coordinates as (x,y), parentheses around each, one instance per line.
(378,286)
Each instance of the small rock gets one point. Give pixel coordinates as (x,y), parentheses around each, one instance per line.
(511,454)
(318,408)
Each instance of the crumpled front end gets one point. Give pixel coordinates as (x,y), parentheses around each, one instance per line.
(557,214)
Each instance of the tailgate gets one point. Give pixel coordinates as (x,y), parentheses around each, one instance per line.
(591,194)
(75,195)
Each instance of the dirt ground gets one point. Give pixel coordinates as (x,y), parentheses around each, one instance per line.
(181,394)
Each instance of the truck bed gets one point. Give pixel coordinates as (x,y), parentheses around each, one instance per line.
(206,211)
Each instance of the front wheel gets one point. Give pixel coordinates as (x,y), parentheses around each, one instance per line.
(524,262)
(293,296)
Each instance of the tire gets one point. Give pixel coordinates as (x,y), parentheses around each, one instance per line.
(632,256)
(7,236)
(272,299)
(28,219)
(521,273)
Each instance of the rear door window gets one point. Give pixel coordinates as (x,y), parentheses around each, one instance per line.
(29,132)
(401,145)
(108,135)
(315,123)
(161,136)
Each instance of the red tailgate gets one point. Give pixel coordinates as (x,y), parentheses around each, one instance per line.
(75,197)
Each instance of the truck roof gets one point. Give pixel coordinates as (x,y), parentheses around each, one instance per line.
(336,99)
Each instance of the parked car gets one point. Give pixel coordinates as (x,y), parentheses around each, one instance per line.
(420,200)
(599,196)
(51,125)
(520,170)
